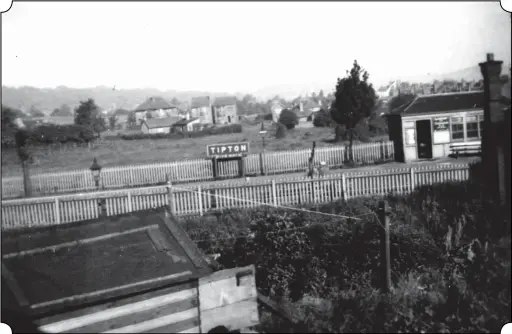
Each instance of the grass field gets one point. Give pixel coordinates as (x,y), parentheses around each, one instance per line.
(127,152)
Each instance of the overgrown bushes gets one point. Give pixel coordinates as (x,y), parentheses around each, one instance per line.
(53,134)
(214,130)
(450,270)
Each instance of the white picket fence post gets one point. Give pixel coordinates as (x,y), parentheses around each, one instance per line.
(57,211)
(274,193)
(412,179)
(200,200)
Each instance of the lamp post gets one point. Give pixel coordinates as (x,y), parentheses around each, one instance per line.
(262,134)
(96,172)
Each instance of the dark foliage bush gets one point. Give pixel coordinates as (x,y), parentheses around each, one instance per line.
(178,134)
(323,118)
(377,125)
(280,131)
(288,118)
(53,134)
(450,270)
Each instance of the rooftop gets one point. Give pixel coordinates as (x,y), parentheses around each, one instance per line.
(443,103)
(185,121)
(200,101)
(154,103)
(154,123)
(224,101)
(57,267)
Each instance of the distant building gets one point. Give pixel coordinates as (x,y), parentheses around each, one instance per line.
(158,125)
(200,107)
(388,91)
(188,124)
(276,108)
(157,106)
(225,110)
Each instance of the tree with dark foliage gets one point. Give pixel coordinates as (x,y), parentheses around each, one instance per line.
(88,114)
(288,118)
(322,118)
(354,101)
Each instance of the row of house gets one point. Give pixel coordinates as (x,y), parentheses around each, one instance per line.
(156,115)
(397,87)
(305,110)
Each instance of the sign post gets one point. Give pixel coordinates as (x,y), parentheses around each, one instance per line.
(227,152)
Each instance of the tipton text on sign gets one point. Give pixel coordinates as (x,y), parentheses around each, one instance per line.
(230,150)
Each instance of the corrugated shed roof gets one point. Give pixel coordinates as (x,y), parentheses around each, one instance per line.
(154,123)
(200,101)
(224,101)
(154,103)
(443,103)
(69,265)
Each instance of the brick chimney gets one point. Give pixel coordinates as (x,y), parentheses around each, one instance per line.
(493,153)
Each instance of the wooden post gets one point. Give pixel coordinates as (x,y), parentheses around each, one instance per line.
(262,164)
(385,246)
(241,167)
(412,179)
(57,211)
(344,194)
(172,204)
(215,167)
(310,162)
(200,200)
(274,193)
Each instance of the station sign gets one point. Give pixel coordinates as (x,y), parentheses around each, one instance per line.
(227,150)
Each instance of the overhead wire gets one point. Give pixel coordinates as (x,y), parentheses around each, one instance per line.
(303,210)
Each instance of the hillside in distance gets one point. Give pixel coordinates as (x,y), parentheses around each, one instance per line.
(47,99)
(472,73)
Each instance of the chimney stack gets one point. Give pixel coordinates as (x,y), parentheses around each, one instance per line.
(493,155)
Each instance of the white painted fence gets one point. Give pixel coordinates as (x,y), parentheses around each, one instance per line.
(188,200)
(192,170)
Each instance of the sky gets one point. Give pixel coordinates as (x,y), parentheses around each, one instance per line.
(243,46)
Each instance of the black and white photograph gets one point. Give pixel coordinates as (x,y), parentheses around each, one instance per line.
(256,167)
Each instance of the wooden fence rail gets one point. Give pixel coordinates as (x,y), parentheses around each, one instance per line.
(189,200)
(192,170)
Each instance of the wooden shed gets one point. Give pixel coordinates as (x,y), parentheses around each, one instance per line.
(131,273)
(431,126)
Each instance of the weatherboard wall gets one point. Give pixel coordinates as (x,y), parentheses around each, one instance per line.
(440,144)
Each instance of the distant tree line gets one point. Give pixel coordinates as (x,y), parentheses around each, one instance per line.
(88,123)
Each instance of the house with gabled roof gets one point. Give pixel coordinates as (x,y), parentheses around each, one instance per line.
(157,106)
(225,110)
(201,108)
(158,125)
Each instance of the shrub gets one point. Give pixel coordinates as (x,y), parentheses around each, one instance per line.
(288,118)
(280,131)
(51,134)
(178,134)
(323,118)
(378,126)
(303,254)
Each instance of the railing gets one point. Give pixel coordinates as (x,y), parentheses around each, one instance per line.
(192,170)
(197,200)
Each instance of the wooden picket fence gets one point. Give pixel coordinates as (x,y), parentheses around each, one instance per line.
(197,200)
(193,170)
